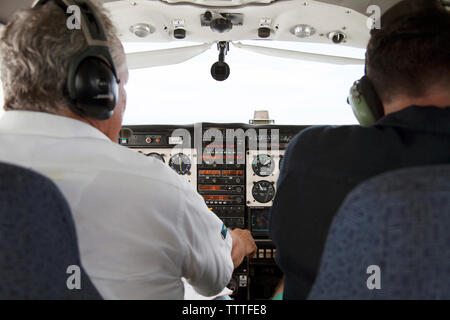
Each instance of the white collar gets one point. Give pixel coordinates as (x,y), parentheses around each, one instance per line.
(46,124)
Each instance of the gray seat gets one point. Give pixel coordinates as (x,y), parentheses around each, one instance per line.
(38,242)
(400,222)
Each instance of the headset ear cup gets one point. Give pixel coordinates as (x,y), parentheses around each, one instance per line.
(92,81)
(94,89)
(371,96)
(365,103)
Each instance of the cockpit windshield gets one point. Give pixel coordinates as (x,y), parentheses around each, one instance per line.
(293,91)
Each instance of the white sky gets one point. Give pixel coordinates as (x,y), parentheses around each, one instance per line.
(294,92)
(1,99)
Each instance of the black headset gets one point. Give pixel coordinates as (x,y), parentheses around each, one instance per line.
(92,83)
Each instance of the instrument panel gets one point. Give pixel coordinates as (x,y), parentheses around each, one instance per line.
(235,168)
(182,161)
(263,170)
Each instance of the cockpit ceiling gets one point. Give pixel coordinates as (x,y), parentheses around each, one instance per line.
(360,5)
(162,18)
(8,7)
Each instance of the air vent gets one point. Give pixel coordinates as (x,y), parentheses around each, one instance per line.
(303,31)
(142,30)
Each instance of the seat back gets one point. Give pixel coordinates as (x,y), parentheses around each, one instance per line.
(38,243)
(398,222)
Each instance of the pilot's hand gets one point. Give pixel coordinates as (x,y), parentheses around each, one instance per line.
(243,246)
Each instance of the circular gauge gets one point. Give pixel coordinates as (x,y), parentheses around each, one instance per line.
(180,163)
(263,191)
(155,155)
(263,165)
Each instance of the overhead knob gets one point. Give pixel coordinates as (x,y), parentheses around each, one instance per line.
(179,33)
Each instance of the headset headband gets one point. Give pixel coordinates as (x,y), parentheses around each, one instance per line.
(93,31)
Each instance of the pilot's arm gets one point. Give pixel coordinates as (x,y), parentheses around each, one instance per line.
(207,263)
(211,250)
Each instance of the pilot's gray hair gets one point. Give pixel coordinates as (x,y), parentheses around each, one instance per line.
(36,48)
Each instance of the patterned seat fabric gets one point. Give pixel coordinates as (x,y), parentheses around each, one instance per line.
(399,222)
(37,240)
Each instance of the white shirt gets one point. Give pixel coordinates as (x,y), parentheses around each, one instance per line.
(140,226)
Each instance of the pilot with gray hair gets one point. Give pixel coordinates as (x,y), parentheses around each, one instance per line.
(141,227)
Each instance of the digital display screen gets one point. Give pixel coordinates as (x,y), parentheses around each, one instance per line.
(224,173)
(260,220)
(233,172)
(212,188)
(209,172)
(218,198)
(224,158)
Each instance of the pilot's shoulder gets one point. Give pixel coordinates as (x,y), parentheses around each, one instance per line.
(323,136)
(147,170)
(318,142)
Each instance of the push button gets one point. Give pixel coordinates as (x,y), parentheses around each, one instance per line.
(260,253)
